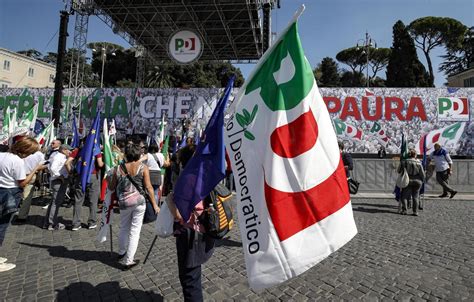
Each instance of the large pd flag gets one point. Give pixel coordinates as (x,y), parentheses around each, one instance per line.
(294,207)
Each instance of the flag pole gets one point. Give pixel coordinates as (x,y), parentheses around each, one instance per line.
(149,250)
(111,243)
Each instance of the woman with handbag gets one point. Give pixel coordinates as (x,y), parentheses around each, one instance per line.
(416,175)
(129,180)
(155,161)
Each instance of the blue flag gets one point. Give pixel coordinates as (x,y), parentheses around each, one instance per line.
(183,142)
(207,166)
(75,138)
(91,148)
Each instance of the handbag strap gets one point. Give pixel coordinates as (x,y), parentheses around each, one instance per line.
(134,183)
(156,159)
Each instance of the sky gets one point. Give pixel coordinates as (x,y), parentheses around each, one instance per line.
(326,27)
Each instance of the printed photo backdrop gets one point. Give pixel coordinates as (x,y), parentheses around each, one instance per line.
(364,119)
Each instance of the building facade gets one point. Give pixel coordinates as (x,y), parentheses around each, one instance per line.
(462,79)
(20,71)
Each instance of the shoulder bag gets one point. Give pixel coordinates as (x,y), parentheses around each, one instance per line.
(403,179)
(155,176)
(150,214)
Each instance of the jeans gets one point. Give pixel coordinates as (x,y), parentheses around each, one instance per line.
(92,191)
(4,223)
(58,188)
(131,221)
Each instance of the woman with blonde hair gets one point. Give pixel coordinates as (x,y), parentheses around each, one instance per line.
(12,181)
(416,173)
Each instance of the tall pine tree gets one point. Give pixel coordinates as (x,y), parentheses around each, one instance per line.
(404,69)
(330,75)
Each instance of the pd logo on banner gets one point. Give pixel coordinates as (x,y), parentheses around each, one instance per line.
(453,109)
(185,46)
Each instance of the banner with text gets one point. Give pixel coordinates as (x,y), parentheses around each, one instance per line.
(364,119)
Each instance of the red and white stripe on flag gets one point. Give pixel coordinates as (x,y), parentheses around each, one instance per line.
(294,207)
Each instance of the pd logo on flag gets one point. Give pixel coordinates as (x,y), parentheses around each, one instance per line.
(185,46)
(453,109)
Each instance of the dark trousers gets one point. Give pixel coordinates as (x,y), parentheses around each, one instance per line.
(413,191)
(4,223)
(189,277)
(442,178)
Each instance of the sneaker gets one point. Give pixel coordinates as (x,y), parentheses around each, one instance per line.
(45,207)
(6,267)
(92,226)
(3,260)
(50,227)
(443,195)
(453,193)
(76,228)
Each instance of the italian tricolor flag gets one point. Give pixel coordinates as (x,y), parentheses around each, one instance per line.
(447,137)
(294,206)
(47,135)
(347,130)
(379,133)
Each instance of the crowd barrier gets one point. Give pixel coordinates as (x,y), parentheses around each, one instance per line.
(379,175)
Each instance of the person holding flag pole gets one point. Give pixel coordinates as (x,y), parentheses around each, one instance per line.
(85,163)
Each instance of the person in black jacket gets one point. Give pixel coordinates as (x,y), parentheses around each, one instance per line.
(346,159)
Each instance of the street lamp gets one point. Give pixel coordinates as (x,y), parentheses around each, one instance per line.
(103,53)
(366,44)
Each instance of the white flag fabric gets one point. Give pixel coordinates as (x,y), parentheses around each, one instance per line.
(106,220)
(28,121)
(294,207)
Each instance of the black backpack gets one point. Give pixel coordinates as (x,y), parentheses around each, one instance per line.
(217,217)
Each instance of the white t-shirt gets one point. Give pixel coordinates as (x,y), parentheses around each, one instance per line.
(56,166)
(32,161)
(12,169)
(152,164)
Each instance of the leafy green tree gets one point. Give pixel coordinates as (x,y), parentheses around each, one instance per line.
(404,69)
(199,74)
(352,79)
(50,58)
(431,32)
(329,73)
(354,57)
(378,60)
(32,53)
(458,59)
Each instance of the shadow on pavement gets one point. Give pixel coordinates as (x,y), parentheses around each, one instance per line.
(394,206)
(107,291)
(39,220)
(227,242)
(373,210)
(81,255)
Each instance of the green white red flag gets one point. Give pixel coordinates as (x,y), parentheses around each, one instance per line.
(45,136)
(293,204)
(107,209)
(447,137)
(27,122)
(347,130)
(379,133)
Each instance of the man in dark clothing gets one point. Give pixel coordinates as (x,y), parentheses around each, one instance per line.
(346,159)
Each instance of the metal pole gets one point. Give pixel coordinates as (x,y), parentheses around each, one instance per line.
(103,64)
(110,235)
(58,85)
(367,43)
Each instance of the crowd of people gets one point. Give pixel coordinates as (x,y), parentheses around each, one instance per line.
(136,179)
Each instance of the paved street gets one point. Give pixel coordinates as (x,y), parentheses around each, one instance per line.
(394,257)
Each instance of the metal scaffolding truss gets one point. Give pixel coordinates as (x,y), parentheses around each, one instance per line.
(231,30)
